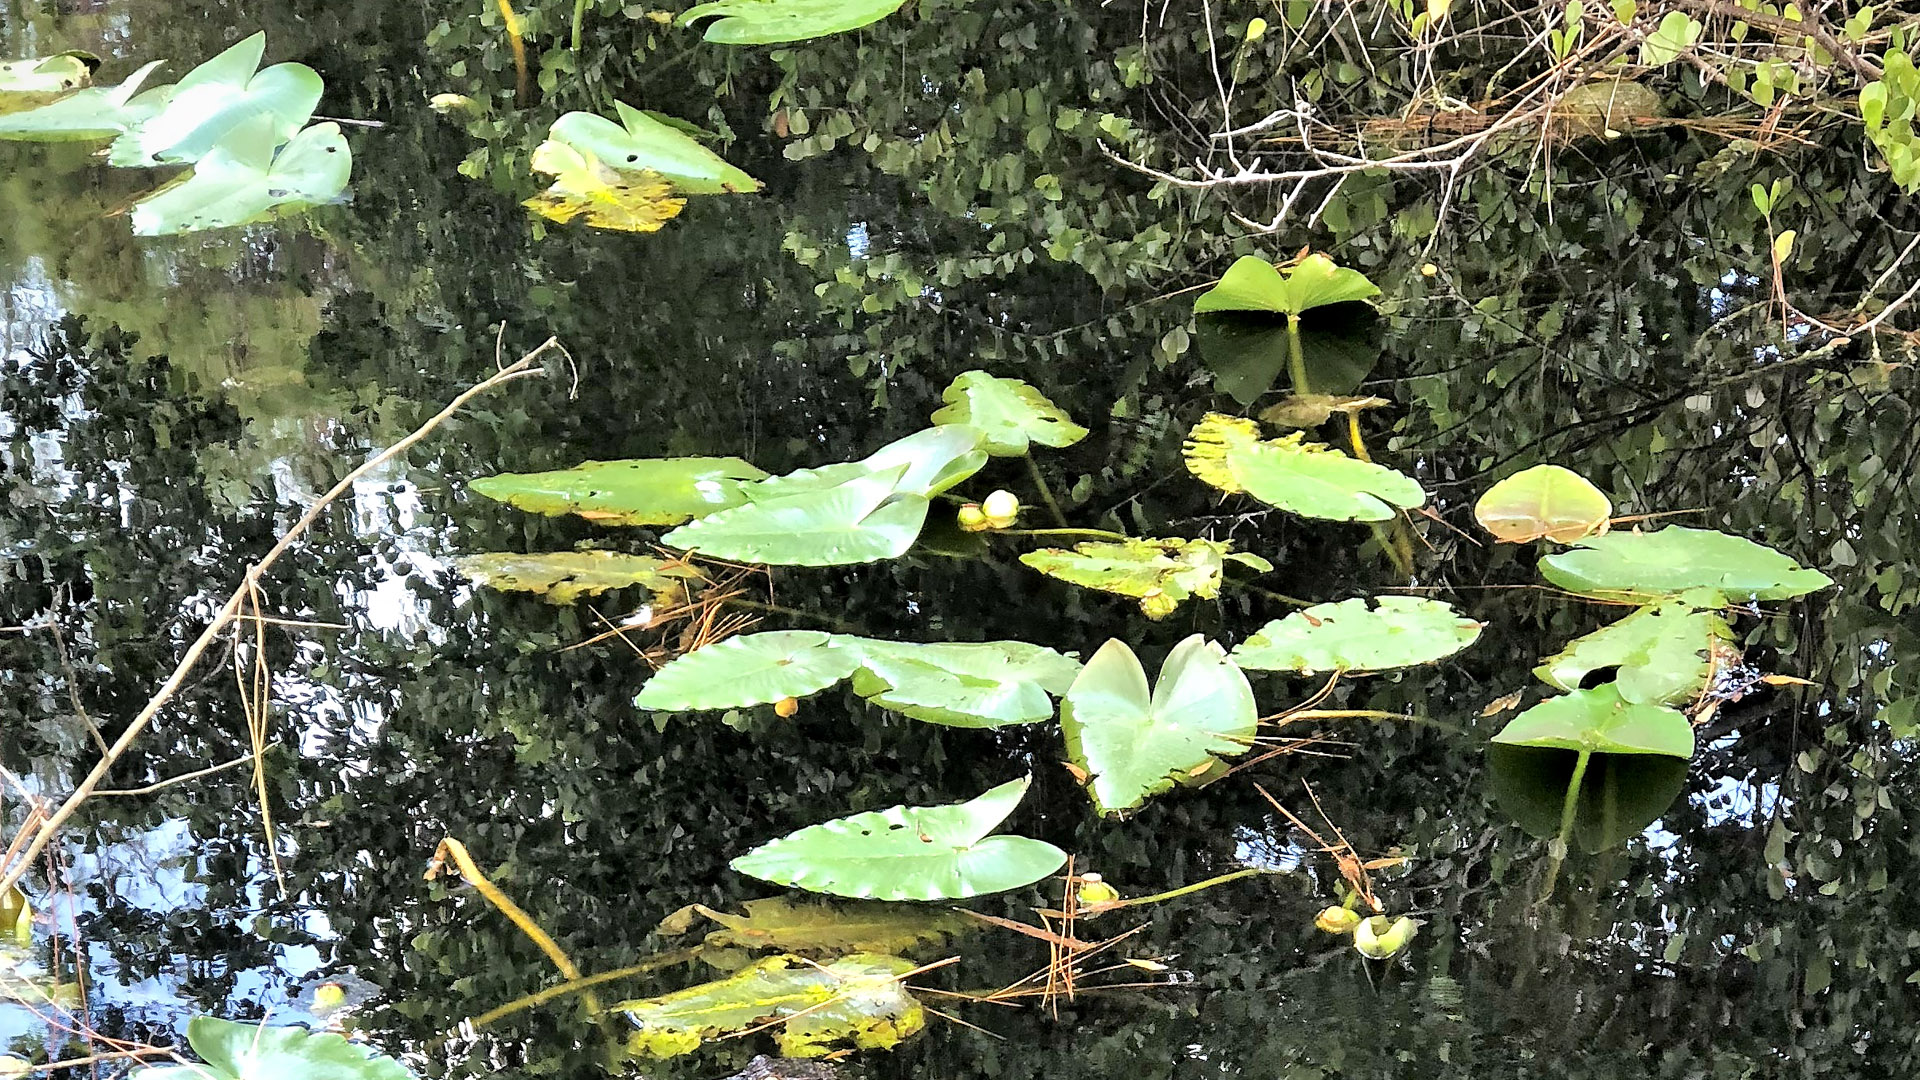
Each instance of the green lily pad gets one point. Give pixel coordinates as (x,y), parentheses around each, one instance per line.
(254,1052)
(639,491)
(862,519)
(1254,284)
(242,180)
(1544,502)
(1305,478)
(1161,573)
(1011,413)
(1663,652)
(1134,744)
(1642,567)
(772,22)
(1354,636)
(565,576)
(1600,720)
(751,669)
(834,928)
(931,461)
(639,142)
(990,684)
(910,852)
(854,1001)
(94,113)
(216,101)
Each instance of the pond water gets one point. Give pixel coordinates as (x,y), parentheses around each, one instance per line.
(169,405)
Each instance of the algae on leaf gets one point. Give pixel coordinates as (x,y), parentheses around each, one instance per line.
(1650,566)
(1161,573)
(565,576)
(910,852)
(855,1001)
(1306,478)
(1354,636)
(1133,743)
(751,669)
(1011,413)
(833,927)
(774,22)
(640,491)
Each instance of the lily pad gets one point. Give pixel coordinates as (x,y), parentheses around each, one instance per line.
(1663,652)
(94,113)
(1254,284)
(639,142)
(254,1052)
(834,928)
(565,576)
(1650,566)
(910,852)
(751,669)
(862,519)
(26,84)
(1162,573)
(855,1001)
(1306,478)
(1249,352)
(1544,502)
(228,95)
(989,684)
(1354,636)
(1601,721)
(603,198)
(1312,410)
(931,461)
(1132,743)
(1011,413)
(772,22)
(641,491)
(243,180)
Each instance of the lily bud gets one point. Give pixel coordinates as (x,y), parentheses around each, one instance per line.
(786,707)
(1256,29)
(1428,269)
(972,518)
(1381,938)
(1337,920)
(1093,891)
(1001,508)
(1157,605)
(328,998)
(448,103)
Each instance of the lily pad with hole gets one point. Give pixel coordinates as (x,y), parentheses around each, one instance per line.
(960,684)
(1663,653)
(1012,414)
(243,180)
(639,491)
(751,669)
(229,96)
(562,577)
(774,22)
(1254,284)
(862,519)
(910,852)
(600,197)
(1161,573)
(638,142)
(1305,478)
(856,1001)
(1643,567)
(1545,502)
(257,1052)
(1357,635)
(1133,743)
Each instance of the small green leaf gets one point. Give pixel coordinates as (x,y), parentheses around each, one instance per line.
(254,1052)
(910,852)
(1161,573)
(641,143)
(772,22)
(1663,652)
(1134,744)
(564,576)
(1010,412)
(1650,566)
(644,491)
(1544,502)
(1676,33)
(1306,478)
(1353,637)
(752,669)
(1253,284)
(856,1001)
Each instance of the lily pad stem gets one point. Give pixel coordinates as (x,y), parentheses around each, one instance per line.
(1568,810)
(1046,492)
(1102,534)
(1296,357)
(1095,909)
(579,16)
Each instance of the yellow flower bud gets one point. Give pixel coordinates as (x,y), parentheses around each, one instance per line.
(1094,891)
(972,518)
(1337,920)
(1381,938)
(1256,29)
(1428,270)
(1002,508)
(786,707)
(328,997)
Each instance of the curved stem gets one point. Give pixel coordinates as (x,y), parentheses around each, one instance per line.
(578,986)
(1046,492)
(1096,909)
(579,16)
(456,852)
(1568,810)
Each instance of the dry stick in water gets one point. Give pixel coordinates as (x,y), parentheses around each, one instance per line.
(16,869)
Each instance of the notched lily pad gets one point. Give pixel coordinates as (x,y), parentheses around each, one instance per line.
(244,179)
(864,518)
(751,669)
(228,96)
(1354,636)
(1306,478)
(1011,413)
(1545,502)
(640,143)
(1254,284)
(640,491)
(856,1001)
(962,684)
(1161,573)
(256,1052)
(93,113)
(565,576)
(1663,653)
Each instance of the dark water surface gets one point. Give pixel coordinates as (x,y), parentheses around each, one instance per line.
(167,407)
